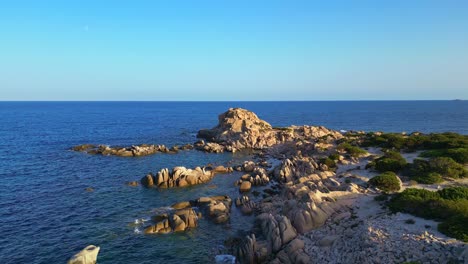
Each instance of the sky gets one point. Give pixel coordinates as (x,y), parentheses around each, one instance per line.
(233,50)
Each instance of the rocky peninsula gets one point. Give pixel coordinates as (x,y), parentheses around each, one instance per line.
(322,196)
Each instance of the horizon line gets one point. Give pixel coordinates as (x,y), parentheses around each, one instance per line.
(236,101)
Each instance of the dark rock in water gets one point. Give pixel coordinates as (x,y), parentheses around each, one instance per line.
(132,183)
(132,151)
(246,206)
(159,218)
(148,180)
(178,221)
(89,189)
(181,205)
(83,147)
(225,259)
(218,208)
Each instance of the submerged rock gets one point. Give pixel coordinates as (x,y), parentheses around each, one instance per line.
(225,259)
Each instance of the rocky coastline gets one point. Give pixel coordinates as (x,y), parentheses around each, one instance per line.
(308,191)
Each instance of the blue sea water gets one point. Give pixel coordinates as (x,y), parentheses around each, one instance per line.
(46,215)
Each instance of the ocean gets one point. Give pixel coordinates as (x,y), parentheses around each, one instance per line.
(46,215)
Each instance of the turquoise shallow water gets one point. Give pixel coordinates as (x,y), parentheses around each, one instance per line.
(46,215)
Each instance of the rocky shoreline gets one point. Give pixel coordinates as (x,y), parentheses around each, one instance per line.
(306,204)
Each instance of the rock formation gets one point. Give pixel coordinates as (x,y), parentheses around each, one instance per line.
(86,256)
(183,217)
(132,151)
(180,220)
(240,129)
(182,177)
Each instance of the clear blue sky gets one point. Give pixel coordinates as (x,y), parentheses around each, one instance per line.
(233,50)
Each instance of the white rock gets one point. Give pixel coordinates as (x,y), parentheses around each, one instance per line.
(86,256)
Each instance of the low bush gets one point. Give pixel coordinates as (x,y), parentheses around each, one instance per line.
(381,197)
(391,161)
(449,205)
(433,170)
(329,162)
(455,227)
(416,141)
(334,156)
(428,178)
(387,182)
(447,167)
(454,193)
(351,150)
(459,155)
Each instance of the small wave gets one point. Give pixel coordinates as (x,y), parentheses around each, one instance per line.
(136,230)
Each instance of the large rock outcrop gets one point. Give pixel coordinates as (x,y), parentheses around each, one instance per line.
(240,129)
(237,126)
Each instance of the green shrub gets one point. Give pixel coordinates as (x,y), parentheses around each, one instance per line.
(390,161)
(428,178)
(454,193)
(334,156)
(456,227)
(447,167)
(449,205)
(381,197)
(387,182)
(459,155)
(416,141)
(432,171)
(329,162)
(351,150)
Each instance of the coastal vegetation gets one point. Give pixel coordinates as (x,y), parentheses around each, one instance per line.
(390,161)
(331,164)
(443,155)
(387,182)
(415,141)
(353,151)
(435,169)
(450,206)
(459,155)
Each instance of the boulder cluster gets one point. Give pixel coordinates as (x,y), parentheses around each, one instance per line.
(302,204)
(184,214)
(179,220)
(182,177)
(132,151)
